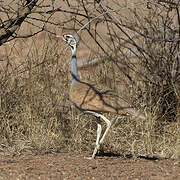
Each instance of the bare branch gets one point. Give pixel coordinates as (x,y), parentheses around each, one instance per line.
(12,25)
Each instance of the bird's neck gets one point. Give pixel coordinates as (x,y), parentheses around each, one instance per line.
(74,69)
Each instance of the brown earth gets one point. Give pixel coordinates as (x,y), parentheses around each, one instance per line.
(75,166)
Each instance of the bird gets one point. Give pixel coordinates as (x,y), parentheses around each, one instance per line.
(90,100)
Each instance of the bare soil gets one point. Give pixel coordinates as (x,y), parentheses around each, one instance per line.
(75,166)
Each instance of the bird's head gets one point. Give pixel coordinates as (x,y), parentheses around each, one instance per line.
(71,40)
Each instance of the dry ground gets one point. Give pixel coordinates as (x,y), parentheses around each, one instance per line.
(75,166)
(44,130)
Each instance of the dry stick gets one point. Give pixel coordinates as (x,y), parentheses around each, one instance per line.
(12,26)
(107,11)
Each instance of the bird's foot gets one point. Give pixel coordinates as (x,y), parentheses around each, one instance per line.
(90,158)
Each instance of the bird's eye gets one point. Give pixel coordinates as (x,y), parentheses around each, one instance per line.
(67,36)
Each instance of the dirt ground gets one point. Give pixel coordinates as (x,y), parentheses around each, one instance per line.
(63,166)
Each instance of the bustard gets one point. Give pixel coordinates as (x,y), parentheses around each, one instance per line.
(86,98)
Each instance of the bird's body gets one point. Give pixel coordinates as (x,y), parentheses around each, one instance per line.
(92,101)
(87,98)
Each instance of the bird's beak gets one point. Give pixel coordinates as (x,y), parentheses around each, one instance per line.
(59,36)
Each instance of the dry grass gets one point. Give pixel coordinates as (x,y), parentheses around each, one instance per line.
(36,115)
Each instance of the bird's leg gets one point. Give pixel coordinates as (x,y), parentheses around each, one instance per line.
(99,130)
(108,123)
